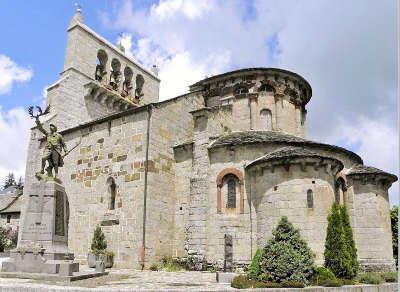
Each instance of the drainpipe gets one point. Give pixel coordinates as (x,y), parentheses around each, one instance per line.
(146,168)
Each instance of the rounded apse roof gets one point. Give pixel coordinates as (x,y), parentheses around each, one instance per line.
(255,137)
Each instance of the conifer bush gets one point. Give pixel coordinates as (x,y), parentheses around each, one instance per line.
(340,252)
(286,256)
(99,243)
(254,268)
(350,243)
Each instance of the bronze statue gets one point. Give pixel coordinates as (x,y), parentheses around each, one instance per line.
(52,153)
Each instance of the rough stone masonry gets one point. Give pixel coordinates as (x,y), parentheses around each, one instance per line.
(171,178)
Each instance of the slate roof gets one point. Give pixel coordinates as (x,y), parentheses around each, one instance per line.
(254,137)
(289,152)
(10,201)
(363,169)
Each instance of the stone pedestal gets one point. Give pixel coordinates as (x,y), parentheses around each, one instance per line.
(43,243)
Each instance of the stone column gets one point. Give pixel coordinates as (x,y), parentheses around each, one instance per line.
(199,205)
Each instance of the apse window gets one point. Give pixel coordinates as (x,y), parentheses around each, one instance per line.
(231,184)
(310,199)
(266,118)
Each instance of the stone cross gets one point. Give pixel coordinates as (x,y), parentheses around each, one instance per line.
(228,253)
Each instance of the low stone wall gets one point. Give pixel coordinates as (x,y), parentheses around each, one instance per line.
(47,288)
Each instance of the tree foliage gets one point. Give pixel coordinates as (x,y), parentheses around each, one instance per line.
(286,256)
(394,216)
(9,181)
(99,243)
(340,251)
(254,268)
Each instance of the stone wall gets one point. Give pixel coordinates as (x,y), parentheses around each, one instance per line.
(371,225)
(171,124)
(111,149)
(14,219)
(284,193)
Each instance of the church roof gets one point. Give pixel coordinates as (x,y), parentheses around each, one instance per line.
(289,152)
(363,169)
(254,137)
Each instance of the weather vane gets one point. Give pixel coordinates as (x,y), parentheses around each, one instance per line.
(78,7)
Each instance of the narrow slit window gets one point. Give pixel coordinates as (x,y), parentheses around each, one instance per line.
(310,199)
(231,202)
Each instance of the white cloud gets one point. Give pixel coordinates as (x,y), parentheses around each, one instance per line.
(14,131)
(374,140)
(191,9)
(10,73)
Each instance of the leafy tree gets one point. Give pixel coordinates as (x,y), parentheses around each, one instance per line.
(286,256)
(99,243)
(394,216)
(337,254)
(349,242)
(9,181)
(254,268)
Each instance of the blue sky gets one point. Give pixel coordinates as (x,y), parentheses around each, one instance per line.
(345,49)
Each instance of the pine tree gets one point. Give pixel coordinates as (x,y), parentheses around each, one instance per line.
(99,243)
(337,256)
(286,256)
(349,242)
(9,181)
(254,268)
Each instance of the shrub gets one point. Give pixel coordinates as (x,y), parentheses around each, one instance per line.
(389,277)
(99,243)
(350,244)
(254,268)
(394,213)
(332,283)
(154,267)
(286,257)
(370,278)
(337,256)
(322,275)
(241,282)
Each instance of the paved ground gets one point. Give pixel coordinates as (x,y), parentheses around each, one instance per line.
(126,279)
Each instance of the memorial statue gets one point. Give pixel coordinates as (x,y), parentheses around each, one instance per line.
(52,153)
(126,88)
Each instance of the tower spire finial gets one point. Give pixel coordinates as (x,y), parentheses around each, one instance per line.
(78,15)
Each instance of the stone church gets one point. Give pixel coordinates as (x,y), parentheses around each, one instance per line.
(172,177)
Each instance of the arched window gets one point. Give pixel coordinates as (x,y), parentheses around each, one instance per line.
(115,75)
(112,192)
(139,86)
(230,190)
(231,196)
(266,119)
(127,84)
(340,190)
(310,199)
(101,65)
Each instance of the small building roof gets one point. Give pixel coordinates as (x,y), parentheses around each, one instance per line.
(290,152)
(360,169)
(10,201)
(254,137)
